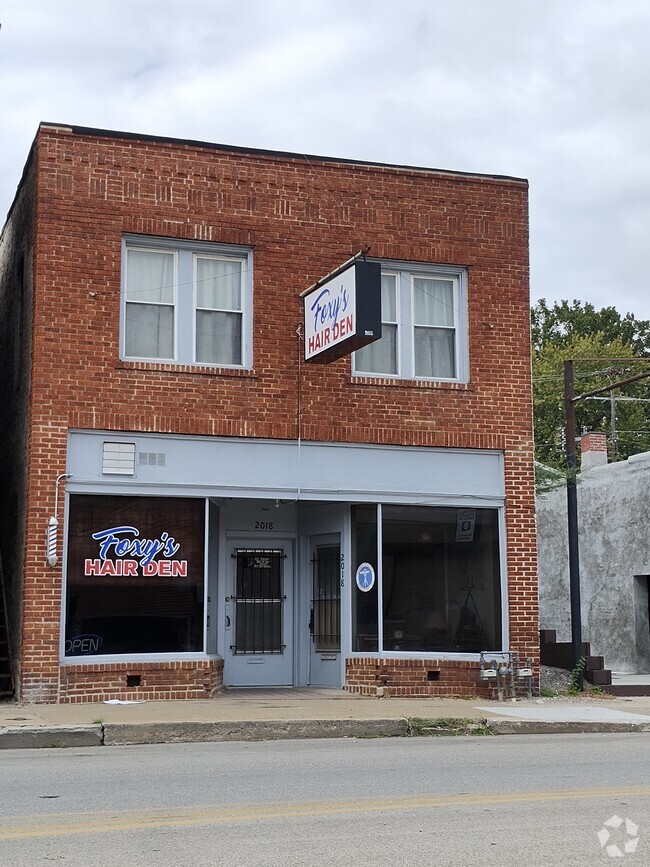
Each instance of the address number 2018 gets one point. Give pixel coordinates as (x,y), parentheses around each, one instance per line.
(263,525)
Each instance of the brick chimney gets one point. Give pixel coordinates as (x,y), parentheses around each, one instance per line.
(593,450)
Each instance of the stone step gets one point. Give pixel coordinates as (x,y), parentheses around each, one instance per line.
(599,677)
(627,689)
(560,654)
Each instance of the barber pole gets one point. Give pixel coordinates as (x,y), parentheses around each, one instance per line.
(52,533)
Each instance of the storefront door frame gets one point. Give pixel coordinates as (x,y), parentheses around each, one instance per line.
(258,668)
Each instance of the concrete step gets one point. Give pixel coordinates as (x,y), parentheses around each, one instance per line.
(599,677)
(594,663)
(560,654)
(627,689)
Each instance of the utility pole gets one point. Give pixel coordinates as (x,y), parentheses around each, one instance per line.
(570,400)
(572,518)
(612,407)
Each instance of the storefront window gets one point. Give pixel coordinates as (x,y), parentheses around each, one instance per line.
(364,602)
(440,580)
(135,573)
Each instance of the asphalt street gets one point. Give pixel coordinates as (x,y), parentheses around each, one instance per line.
(534,800)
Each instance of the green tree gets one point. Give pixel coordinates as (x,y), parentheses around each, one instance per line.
(565,320)
(579,331)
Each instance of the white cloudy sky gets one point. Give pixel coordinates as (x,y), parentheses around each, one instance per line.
(557,91)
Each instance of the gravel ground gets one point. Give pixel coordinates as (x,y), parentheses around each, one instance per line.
(557,679)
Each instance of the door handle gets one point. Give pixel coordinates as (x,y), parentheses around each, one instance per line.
(227,621)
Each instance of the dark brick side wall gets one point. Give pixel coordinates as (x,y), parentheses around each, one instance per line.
(16,282)
(302,219)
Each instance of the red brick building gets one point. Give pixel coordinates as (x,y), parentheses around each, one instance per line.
(219,510)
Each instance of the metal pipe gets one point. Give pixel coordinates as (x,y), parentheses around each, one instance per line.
(572,518)
(612,411)
(610,385)
(53,525)
(361,254)
(56,491)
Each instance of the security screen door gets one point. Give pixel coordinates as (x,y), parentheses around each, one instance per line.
(325,612)
(259,615)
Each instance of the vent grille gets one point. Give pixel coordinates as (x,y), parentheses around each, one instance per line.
(118,459)
(152,459)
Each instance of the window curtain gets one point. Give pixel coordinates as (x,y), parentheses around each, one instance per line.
(219,311)
(149,304)
(381,356)
(434,332)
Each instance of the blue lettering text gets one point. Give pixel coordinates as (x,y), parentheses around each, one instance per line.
(145,549)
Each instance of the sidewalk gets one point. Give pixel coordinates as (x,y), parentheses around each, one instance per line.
(267,714)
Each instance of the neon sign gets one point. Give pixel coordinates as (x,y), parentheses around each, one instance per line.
(80,644)
(123,553)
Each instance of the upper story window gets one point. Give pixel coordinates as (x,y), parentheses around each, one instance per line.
(424,325)
(186,303)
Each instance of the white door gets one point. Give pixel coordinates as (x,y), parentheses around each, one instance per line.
(259,614)
(325,614)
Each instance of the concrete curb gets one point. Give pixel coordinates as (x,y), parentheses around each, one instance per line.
(118,734)
(42,737)
(540,727)
(196,732)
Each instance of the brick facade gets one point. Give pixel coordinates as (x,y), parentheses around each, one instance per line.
(415,678)
(85,189)
(153,680)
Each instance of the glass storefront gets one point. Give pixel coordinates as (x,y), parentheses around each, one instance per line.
(135,575)
(440,579)
(365,608)
(425,579)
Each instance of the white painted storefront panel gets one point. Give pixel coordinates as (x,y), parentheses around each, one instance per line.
(212,466)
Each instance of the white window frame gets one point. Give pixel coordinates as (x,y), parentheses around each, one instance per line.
(185,297)
(113,658)
(405,273)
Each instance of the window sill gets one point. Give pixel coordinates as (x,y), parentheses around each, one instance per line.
(451,656)
(152,660)
(200,370)
(396,382)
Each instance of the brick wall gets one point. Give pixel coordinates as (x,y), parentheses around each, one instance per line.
(415,678)
(302,219)
(16,283)
(158,680)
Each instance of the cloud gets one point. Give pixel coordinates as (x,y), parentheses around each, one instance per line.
(544,89)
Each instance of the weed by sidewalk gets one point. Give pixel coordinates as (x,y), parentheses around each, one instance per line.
(446,726)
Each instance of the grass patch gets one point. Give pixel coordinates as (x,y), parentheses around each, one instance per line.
(589,691)
(447,727)
(545,692)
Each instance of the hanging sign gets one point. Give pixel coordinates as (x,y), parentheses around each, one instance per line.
(465,525)
(343,313)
